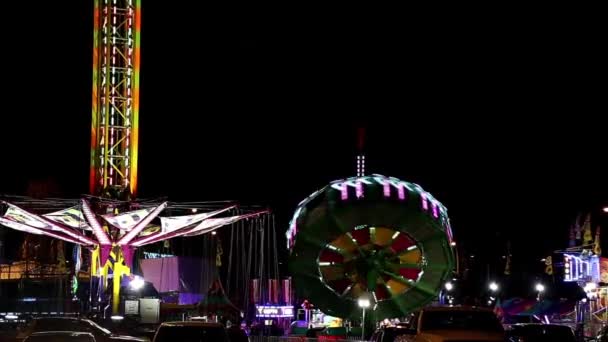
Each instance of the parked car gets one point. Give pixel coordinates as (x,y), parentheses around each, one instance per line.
(191,331)
(70,324)
(60,336)
(602,336)
(534,332)
(392,334)
(455,323)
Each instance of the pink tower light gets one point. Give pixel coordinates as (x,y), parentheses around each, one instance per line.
(100,234)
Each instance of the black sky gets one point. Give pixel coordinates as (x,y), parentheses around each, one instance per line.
(497,117)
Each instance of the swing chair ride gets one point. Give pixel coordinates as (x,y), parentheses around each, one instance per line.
(111,223)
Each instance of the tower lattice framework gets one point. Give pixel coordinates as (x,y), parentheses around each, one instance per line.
(114,131)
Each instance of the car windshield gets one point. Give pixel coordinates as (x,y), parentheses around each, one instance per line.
(190,334)
(543,333)
(460,320)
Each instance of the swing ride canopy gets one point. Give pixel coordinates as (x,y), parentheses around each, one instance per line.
(75,221)
(376,237)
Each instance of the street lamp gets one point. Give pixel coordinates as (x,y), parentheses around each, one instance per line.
(449,286)
(364,303)
(493,286)
(605,209)
(540,288)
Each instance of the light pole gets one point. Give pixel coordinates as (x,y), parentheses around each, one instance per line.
(363,304)
(540,288)
(448,287)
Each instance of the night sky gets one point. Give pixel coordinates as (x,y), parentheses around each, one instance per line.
(497,118)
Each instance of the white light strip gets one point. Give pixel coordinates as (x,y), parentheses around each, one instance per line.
(75,235)
(168,234)
(202,228)
(68,231)
(102,237)
(411,248)
(141,225)
(33,230)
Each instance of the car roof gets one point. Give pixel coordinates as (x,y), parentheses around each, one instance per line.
(61,318)
(192,324)
(456,308)
(71,333)
(539,325)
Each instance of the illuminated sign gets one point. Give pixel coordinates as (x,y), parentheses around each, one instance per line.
(273,311)
(581,268)
(151,255)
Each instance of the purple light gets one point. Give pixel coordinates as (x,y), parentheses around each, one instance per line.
(401,191)
(125,239)
(344,191)
(387,189)
(425,203)
(359,189)
(435,211)
(100,234)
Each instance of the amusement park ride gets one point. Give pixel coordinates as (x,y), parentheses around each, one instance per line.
(368,236)
(115,102)
(110,222)
(372,237)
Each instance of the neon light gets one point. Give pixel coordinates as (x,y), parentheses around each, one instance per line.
(151,255)
(395,235)
(359,189)
(387,189)
(204,227)
(425,204)
(344,194)
(401,192)
(33,230)
(435,211)
(394,182)
(411,248)
(357,183)
(579,268)
(141,225)
(272,311)
(19,215)
(100,234)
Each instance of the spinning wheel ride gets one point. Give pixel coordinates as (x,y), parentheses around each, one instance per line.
(371,236)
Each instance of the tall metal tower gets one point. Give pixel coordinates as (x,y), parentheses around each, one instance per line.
(114,131)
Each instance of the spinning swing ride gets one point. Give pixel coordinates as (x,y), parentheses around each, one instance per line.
(111,223)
